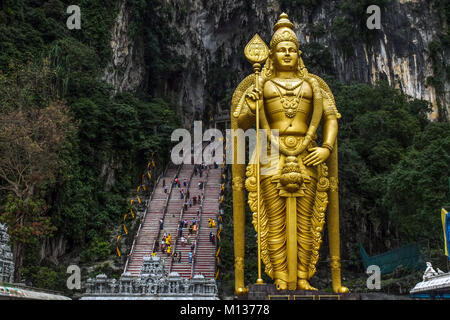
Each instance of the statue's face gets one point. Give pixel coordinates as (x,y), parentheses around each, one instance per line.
(285,56)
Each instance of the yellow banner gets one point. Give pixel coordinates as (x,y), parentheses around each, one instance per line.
(139,200)
(118,251)
(443,216)
(125,216)
(125,229)
(118,238)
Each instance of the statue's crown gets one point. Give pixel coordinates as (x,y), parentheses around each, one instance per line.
(284,31)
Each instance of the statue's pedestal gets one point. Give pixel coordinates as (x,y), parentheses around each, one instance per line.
(270,292)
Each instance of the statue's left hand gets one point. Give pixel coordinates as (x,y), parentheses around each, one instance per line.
(317,156)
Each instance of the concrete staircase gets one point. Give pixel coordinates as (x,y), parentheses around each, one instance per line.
(173,213)
(150,226)
(184,268)
(204,261)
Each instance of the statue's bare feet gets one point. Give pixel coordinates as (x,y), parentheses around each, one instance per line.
(302,284)
(340,289)
(281,284)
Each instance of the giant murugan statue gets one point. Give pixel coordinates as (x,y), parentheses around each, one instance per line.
(289,204)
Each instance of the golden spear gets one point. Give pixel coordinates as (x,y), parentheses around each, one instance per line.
(257,52)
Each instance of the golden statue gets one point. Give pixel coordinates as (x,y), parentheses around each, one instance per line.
(290,202)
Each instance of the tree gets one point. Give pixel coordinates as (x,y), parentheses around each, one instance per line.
(33,127)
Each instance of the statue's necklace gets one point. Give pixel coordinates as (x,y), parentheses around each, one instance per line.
(289,100)
(288,84)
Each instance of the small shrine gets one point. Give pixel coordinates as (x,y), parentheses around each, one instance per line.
(6,257)
(152,284)
(435,284)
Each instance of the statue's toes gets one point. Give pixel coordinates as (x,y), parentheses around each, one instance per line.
(281,284)
(304,285)
(342,289)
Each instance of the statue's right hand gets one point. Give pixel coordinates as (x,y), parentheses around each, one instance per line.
(251,98)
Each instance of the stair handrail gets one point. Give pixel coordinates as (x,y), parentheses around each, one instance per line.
(182,209)
(165,206)
(180,218)
(219,227)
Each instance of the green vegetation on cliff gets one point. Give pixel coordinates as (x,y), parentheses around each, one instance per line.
(394,164)
(393,176)
(81,193)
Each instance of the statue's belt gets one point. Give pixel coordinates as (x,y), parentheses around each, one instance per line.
(290,145)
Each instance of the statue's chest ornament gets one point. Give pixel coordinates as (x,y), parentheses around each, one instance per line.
(290,101)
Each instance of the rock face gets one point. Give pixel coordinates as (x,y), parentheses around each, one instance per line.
(125,70)
(406,51)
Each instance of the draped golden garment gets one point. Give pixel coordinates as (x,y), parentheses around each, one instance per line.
(311,202)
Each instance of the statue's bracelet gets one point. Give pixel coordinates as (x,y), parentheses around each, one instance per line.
(326,145)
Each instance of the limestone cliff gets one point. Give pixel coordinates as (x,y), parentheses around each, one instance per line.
(407,51)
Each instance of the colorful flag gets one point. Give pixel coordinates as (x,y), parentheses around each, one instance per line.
(118,251)
(118,238)
(445,215)
(125,229)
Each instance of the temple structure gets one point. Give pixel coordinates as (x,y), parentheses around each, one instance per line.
(152,284)
(434,285)
(6,257)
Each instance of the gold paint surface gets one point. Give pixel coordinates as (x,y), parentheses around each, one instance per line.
(289,202)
